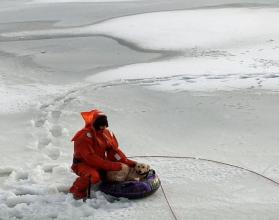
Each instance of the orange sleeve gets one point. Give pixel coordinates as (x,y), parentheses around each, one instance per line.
(115,154)
(84,150)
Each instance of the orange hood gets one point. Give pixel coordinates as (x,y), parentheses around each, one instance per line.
(89,118)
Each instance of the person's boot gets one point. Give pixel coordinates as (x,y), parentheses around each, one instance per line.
(78,194)
(79,188)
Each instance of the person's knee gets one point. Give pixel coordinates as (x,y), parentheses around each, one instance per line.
(86,171)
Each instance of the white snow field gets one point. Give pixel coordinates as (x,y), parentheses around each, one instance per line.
(200,83)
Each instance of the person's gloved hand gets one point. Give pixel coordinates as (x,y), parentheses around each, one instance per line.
(116,166)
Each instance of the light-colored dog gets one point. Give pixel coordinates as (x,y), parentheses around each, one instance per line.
(128,173)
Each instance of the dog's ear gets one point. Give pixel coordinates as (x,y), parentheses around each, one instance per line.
(148,167)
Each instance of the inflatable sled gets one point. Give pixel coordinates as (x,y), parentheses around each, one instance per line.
(133,189)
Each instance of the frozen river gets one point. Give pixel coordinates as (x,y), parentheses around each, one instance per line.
(176,78)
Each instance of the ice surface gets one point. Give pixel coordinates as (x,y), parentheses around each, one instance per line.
(231,42)
(217,47)
(183,30)
(196,74)
(201,187)
(16,98)
(195,188)
(202,50)
(78,1)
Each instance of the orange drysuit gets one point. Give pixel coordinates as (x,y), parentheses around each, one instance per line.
(94,152)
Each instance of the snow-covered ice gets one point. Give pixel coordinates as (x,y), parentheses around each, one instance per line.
(224,28)
(238,47)
(219,48)
(210,190)
(78,1)
(195,188)
(214,75)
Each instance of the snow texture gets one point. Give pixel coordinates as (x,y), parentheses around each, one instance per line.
(202,51)
(78,1)
(202,188)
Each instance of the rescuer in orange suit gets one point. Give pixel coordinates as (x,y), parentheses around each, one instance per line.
(95,152)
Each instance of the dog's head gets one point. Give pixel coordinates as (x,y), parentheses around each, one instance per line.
(142,168)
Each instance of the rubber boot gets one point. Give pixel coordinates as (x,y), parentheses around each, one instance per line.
(79,188)
(78,194)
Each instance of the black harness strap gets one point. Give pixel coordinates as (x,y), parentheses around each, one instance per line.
(76,161)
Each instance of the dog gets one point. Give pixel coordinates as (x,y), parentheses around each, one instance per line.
(127,173)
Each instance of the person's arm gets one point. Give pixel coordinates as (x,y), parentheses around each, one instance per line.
(92,159)
(119,156)
(115,154)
